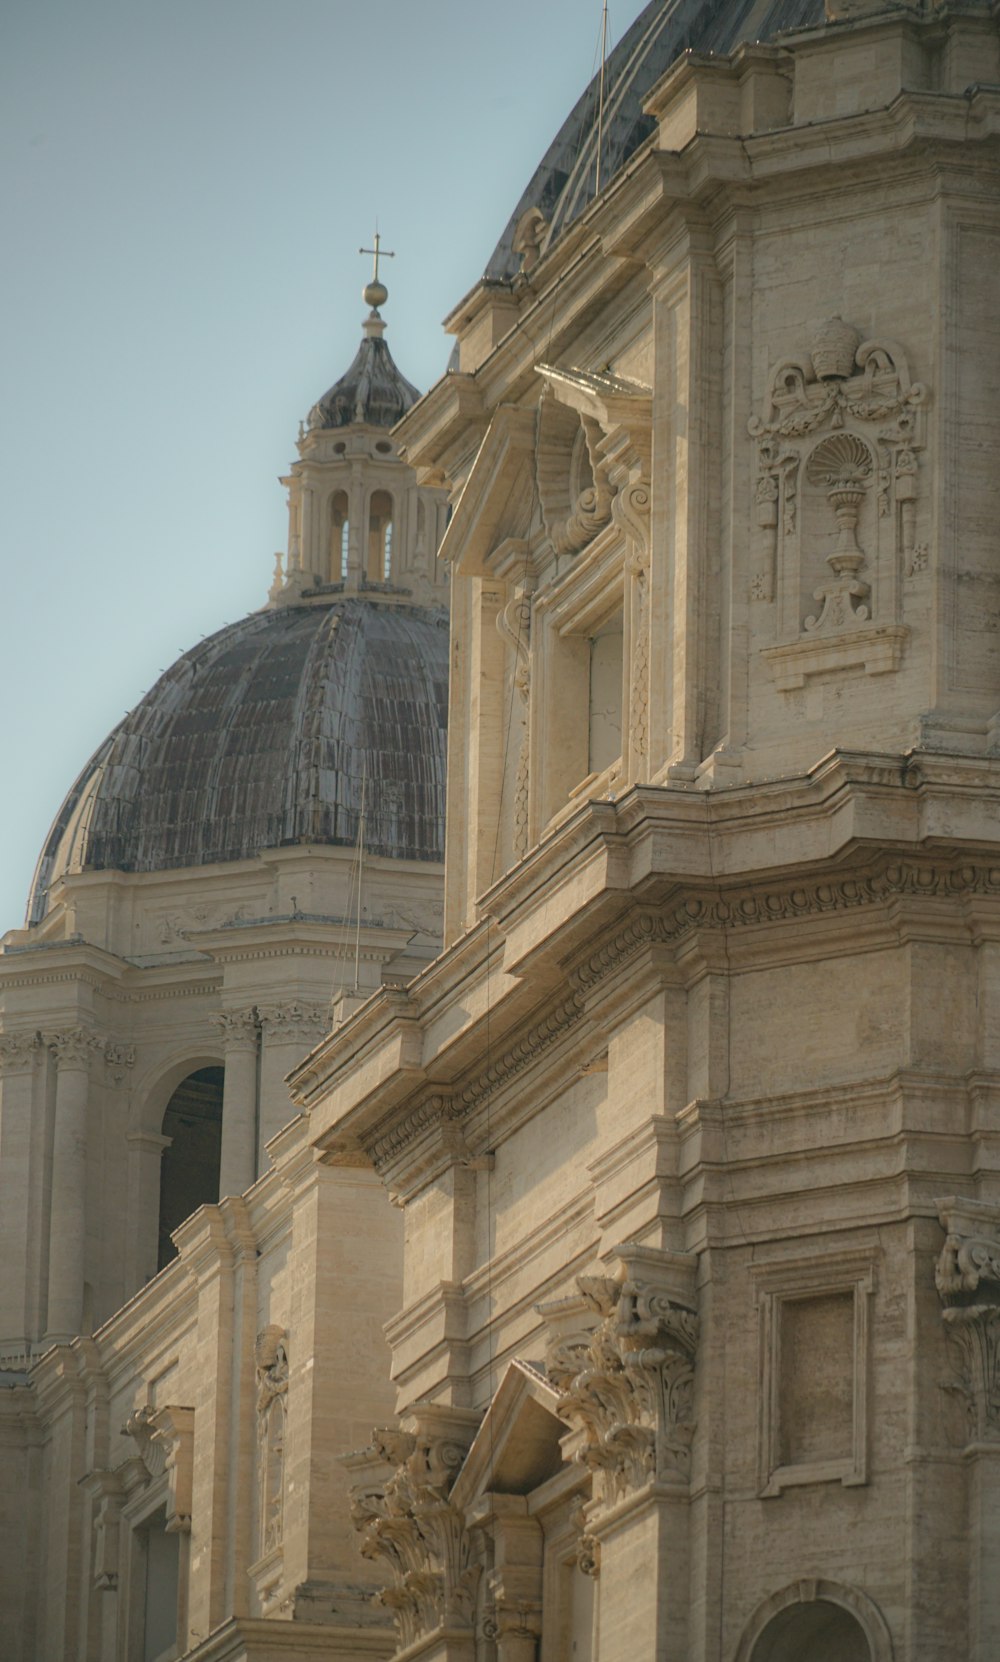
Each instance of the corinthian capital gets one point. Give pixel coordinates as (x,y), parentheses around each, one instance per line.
(239,1028)
(18,1051)
(74,1047)
(627,1383)
(403,1514)
(306,1023)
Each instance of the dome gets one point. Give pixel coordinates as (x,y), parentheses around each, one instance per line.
(372,390)
(564,181)
(266,734)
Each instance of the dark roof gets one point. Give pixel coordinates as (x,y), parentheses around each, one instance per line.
(372,390)
(262,735)
(564,181)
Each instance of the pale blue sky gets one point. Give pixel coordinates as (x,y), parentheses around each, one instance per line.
(184,186)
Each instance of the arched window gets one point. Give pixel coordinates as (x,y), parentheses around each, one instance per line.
(380,537)
(189,1169)
(340,530)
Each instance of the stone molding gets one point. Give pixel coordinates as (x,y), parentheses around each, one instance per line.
(405,1518)
(729,909)
(627,1386)
(967,1277)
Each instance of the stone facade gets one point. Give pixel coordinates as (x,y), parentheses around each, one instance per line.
(692,1126)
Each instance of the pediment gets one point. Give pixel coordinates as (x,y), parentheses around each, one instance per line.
(518,1445)
(498,496)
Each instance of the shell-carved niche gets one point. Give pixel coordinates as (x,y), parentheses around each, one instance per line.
(572,476)
(839,444)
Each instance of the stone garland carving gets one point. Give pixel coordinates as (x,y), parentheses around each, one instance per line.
(847,419)
(514,624)
(632,1398)
(406,1520)
(271,1357)
(968,1282)
(306,1023)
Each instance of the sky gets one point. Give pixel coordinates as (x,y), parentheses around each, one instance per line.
(184,188)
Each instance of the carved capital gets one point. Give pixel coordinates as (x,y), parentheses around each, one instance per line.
(967,1277)
(306,1023)
(404,1517)
(74,1047)
(239,1029)
(18,1052)
(627,1388)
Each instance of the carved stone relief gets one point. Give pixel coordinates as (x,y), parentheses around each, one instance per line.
(514,624)
(835,503)
(628,1387)
(404,1518)
(271,1357)
(968,1282)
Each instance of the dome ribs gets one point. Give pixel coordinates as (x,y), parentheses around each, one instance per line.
(261,736)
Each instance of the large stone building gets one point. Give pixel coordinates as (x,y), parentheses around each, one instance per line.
(692,1127)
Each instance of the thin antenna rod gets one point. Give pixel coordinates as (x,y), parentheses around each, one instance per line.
(600,100)
(361,867)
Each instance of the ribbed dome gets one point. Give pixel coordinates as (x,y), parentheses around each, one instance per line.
(372,390)
(565,179)
(262,735)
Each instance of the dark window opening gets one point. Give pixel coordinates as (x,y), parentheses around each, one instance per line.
(189,1169)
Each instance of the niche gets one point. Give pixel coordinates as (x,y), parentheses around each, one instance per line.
(379,568)
(189,1169)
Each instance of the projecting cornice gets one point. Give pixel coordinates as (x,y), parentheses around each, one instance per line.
(628,894)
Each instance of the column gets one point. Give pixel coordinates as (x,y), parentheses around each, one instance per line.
(288,1032)
(240,1107)
(68,1217)
(629,1391)
(18,1056)
(145,1152)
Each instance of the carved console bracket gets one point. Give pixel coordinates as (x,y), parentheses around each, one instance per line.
(968,1282)
(626,1386)
(402,1511)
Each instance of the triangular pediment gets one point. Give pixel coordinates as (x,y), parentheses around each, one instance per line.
(497,499)
(518,1445)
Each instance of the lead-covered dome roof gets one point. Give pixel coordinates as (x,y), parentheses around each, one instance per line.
(565,179)
(267,733)
(372,390)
